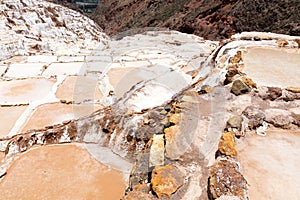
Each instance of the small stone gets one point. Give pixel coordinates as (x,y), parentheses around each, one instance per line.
(44,67)
(165,122)
(237,58)
(193,73)
(205,89)
(155,115)
(167,108)
(282,43)
(134,195)
(235,122)
(146,120)
(297,41)
(279,118)
(69,102)
(157,151)
(257,38)
(239,87)
(246,38)
(166,180)
(163,112)
(144,188)
(270,93)
(255,115)
(226,179)
(249,82)
(66,122)
(262,129)
(175,118)
(231,74)
(293,89)
(296,118)
(227,145)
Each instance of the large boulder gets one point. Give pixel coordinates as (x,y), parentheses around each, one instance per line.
(166,180)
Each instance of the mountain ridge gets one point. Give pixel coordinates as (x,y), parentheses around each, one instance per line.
(217,19)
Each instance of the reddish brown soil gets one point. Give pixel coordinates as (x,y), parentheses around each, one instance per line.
(212,19)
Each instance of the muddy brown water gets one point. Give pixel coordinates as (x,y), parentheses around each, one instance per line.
(60,172)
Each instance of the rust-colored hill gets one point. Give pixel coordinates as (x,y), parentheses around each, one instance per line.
(212,19)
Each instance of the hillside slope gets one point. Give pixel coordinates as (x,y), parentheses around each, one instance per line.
(212,19)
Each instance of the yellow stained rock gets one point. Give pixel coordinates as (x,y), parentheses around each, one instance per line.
(163,112)
(175,118)
(174,146)
(170,133)
(227,145)
(282,43)
(146,120)
(293,89)
(237,58)
(297,41)
(166,180)
(249,82)
(157,151)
